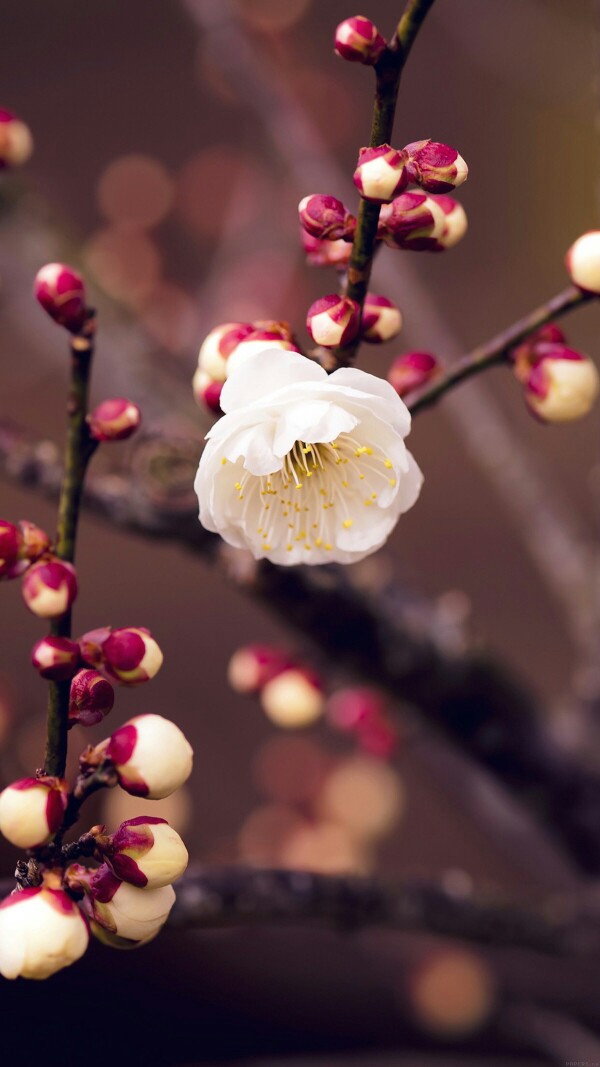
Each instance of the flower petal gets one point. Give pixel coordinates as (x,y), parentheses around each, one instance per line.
(262,374)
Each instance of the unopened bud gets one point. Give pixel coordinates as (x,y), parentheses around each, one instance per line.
(32,810)
(583,262)
(131,655)
(326,253)
(455,224)
(413,220)
(326,217)
(411,371)
(350,709)
(41,931)
(358,40)
(333,320)
(49,588)
(381,320)
(207,391)
(114,420)
(151,755)
(61,292)
(218,346)
(34,541)
(120,914)
(56,658)
(146,852)
(90,645)
(251,667)
(16,142)
(436,167)
(381,173)
(293,699)
(562,384)
(91,698)
(11,543)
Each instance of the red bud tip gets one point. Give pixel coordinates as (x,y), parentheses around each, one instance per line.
(436,167)
(11,544)
(114,420)
(358,40)
(207,391)
(61,292)
(411,371)
(333,320)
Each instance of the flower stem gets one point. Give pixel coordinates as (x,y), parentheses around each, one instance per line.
(387,73)
(80,447)
(498,348)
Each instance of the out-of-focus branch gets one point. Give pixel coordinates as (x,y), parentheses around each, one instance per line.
(497,350)
(387,74)
(471,699)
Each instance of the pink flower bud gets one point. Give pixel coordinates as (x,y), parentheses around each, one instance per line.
(16,142)
(326,217)
(49,588)
(146,852)
(35,541)
(413,220)
(562,384)
(437,168)
(326,253)
(381,320)
(358,40)
(583,262)
(218,346)
(11,543)
(333,320)
(251,667)
(131,655)
(350,709)
(90,645)
(293,698)
(455,224)
(381,173)
(114,420)
(122,915)
(151,756)
(32,810)
(55,658)
(41,931)
(411,371)
(61,292)
(91,698)
(207,391)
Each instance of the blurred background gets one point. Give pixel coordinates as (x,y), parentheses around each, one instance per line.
(173,141)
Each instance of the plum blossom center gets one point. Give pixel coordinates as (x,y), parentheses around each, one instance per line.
(320,488)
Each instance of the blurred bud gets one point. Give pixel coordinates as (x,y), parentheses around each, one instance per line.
(455,224)
(260,341)
(207,391)
(146,852)
(49,588)
(452,992)
(436,167)
(56,658)
(364,795)
(61,292)
(251,667)
(11,543)
(114,420)
(381,320)
(41,931)
(326,217)
(91,698)
(34,541)
(411,371)
(326,253)
(16,142)
(122,915)
(131,656)
(218,346)
(293,698)
(381,173)
(358,40)
(413,220)
(31,810)
(583,262)
(151,755)
(333,320)
(378,737)
(562,385)
(350,709)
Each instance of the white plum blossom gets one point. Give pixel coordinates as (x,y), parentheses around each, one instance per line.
(306,467)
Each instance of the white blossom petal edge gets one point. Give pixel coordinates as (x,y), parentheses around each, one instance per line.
(306,467)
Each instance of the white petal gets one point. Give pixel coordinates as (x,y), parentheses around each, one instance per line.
(311,421)
(397,413)
(264,373)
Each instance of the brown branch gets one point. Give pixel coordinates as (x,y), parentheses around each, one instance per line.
(388,72)
(498,348)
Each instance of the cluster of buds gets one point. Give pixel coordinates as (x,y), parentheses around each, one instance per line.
(128,655)
(362,712)
(358,40)
(228,345)
(290,693)
(411,371)
(559,384)
(16,142)
(383,172)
